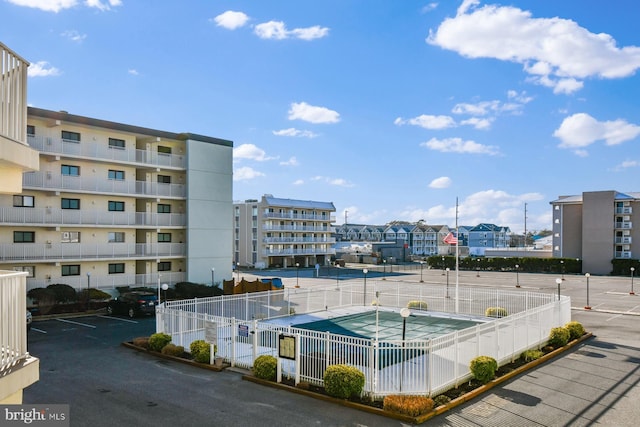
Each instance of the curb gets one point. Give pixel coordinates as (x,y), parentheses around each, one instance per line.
(175,359)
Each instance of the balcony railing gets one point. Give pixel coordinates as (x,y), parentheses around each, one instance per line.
(291,215)
(51,216)
(625,240)
(623,224)
(623,254)
(58,182)
(13,311)
(100,150)
(298,228)
(299,240)
(79,251)
(110,281)
(276,252)
(624,210)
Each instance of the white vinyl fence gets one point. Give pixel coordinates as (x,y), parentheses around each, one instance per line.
(416,367)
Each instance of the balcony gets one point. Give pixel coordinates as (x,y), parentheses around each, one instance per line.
(65,252)
(623,254)
(624,210)
(625,225)
(101,151)
(291,215)
(18,369)
(624,240)
(71,217)
(57,182)
(297,227)
(110,281)
(277,252)
(299,240)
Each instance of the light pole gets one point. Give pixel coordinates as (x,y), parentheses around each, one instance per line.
(364,295)
(213,276)
(478,268)
(587,307)
(405,312)
(517,277)
(632,270)
(390,264)
(88,288)
(159,275)
(443,266)
(558,281)
(562,267)
(297,274)
(164,288)
(448,281)
(384,269)
(421,265)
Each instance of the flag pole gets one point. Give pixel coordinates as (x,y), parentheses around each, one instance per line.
(457,257)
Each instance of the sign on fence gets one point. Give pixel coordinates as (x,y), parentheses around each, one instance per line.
(211,332)
(287,347)
(243,330)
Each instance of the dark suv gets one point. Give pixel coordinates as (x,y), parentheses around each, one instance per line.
(133,304)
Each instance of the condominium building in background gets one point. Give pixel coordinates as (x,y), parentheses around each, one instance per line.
(597,227)
(118,205)
(275,232)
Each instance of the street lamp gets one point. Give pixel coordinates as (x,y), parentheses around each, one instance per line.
(159,275)
(164,288)
(405,312)
(390,264)
(443,266)
(384,269)
(364,296)
(421,265)
(517,276)
(587,307)
(448,281)
(562,266)
(88,288)
(478,268)
(632,270)
(558,281)
(213,276)
(297,275)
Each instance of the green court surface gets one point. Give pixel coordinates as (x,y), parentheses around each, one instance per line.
(419,326)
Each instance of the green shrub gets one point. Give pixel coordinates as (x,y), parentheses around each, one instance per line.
(141,342)
(495,312)
(63,293)
(530,355)
(417,305)
(483,368)
(158,341)
(265,367)
(201,351)
(576,330)
(173,350)
(412,406)
(441,400)
(558,337)
(343,381)
(42,295)
(188,290)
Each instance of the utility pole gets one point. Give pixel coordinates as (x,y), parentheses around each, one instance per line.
(345,216)
(525,227)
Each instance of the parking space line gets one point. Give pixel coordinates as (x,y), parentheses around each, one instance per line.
(38,330)
(76,323)
(118,318)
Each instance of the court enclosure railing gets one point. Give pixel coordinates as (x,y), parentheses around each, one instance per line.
(239,328)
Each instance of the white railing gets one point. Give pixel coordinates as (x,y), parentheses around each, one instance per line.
(56,181)
(51,216)
(416,367)
(109,281)
(13,95)
(276,252)
(625,240)
(78,251)
(101,150)
(299,240)
(298,227)
(291,215)
(623,254)
(13,312)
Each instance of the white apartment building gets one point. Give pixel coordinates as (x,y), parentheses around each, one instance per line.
(116,204)
(275,232)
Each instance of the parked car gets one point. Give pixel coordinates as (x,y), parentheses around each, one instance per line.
(133,304)
(29,320)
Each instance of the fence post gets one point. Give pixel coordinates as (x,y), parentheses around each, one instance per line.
(254,350)
(233,332)
(297,360)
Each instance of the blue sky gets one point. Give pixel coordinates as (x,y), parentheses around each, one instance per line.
(389,109)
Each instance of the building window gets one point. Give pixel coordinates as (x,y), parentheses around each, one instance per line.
(31,269)
(70,203)
(24,237)
(23,201)
(164,179)
(70,136)
(71,270)
(164,208)
(164,150)
(31,130)
(70,237)
(116,143)
(164,266)
(70,170)
(116,236)
(164,237)
(117,175)
(117,268)
(116,206)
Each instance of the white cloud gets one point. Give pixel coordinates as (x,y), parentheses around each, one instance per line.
(58,5)
(133,72)
(231,20)
(442,182)
(73,35)
(277,30)
(312,114)
(457,145)
(555,52)
(246,173)
(291,162)
(481,124)
(581,130)
(42,69)
(339,182)
(250,152)
(626,164)
(298,182)
(295,132)
(427,121)
(102,5)
(429,7)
